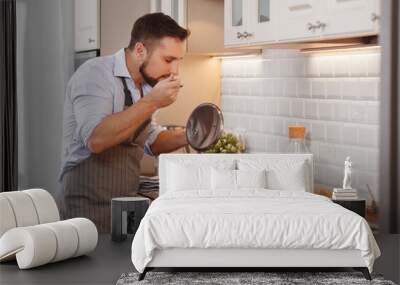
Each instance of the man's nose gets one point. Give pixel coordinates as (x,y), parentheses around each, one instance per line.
(174,68)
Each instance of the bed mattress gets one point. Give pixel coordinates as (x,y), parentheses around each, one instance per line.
(251,219)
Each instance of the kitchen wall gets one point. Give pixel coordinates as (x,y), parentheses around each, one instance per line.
(335,95)
(116,22)
(200,76)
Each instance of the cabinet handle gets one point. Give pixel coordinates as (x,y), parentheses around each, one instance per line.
(90,40)
(246,34)
(374,17)
(320,25)
(311,27)
(239,35)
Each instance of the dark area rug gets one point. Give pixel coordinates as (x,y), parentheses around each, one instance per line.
(232,278)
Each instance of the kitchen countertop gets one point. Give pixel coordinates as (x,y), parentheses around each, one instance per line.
(102,266)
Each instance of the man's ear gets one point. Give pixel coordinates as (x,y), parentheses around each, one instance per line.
(140,51)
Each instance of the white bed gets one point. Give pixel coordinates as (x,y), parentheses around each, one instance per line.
(201,220)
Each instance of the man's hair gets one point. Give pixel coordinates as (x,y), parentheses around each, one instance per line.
(151,28)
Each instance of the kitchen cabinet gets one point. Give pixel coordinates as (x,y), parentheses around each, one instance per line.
(299,19)
(205,20)
(376,15)
(263,20)
(87,25)
(176,9)
(313,19)
(349,17)
(257,22)
(236,18)
(250,21)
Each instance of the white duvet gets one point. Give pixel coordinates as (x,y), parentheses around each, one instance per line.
(250,219)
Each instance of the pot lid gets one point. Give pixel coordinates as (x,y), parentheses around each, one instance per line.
(204,126)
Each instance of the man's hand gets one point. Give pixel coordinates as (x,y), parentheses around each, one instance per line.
(118,127)
(164,92)
(168,141)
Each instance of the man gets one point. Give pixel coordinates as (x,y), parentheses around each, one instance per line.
(107,118)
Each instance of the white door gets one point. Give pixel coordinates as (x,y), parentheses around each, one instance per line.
(235,21)
(298,19)
(350,17)
(87,23)
(262,23)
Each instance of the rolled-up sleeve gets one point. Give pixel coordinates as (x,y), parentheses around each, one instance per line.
(154,131)
(92,99)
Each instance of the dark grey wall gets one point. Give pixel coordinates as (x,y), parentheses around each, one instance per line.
(45,43)
(388,263)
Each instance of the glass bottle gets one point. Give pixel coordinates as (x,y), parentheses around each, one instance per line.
(297,140)
(241,136)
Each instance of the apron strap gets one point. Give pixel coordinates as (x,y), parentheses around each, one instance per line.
(127,92)
(129,102)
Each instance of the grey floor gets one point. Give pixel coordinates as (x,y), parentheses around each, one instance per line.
(102,266)
(110,260)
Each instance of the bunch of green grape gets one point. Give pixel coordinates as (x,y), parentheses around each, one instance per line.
(227,143)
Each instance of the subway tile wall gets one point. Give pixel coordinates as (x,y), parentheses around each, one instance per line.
(334,95)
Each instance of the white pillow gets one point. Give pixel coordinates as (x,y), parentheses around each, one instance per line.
(288,176)
(251,178)
(235,179)
(223,179)
(282,174)
(184,177)
(193,174)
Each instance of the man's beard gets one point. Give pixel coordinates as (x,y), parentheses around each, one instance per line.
(147,78)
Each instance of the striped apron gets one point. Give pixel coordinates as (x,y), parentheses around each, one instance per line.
(89,187)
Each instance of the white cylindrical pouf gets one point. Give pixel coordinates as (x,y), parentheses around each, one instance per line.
(87,234)
(23,207)
(67,239)
(45,205)
(7,218)
(34,246)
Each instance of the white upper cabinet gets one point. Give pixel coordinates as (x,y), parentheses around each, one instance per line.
(235,21)
(256,22)
(298,18)
(176,9)
(249,21)
(376,15)
(262,20)
(349,17)
(87,25)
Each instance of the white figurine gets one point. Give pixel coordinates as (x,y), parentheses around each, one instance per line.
(347,174)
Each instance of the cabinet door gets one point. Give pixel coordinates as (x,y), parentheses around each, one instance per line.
(87,32)
(176,9)
(376,15)
(155,6)
(262,21)
(297,19)
(349,17)
(235,21)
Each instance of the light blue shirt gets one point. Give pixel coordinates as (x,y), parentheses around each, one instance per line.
(94,92)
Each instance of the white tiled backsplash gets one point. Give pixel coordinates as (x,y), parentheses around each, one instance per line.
(335,96)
